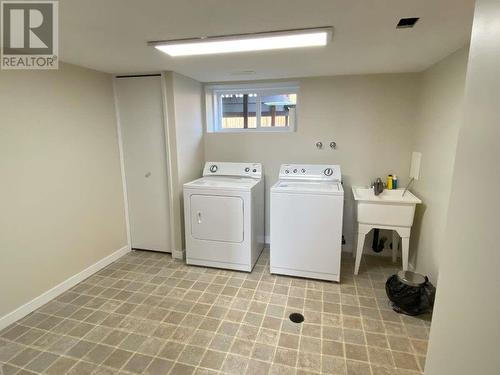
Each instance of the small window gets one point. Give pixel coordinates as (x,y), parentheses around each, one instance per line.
(251,107)
(239,111)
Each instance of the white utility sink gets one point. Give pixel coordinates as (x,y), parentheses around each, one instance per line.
(388,208)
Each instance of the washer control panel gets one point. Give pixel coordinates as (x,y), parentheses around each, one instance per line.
(253,170)
(313,172)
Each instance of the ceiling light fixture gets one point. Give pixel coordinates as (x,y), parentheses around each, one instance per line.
(245,42)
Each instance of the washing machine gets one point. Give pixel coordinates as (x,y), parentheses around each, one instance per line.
(306,221)
(224,216)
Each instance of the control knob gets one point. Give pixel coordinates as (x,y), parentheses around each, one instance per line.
(213,168)
(328,171)
(247,169)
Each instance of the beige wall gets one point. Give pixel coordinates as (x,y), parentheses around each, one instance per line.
(185,127)
(436,133)
(61,198)
(371,118)
(465,327)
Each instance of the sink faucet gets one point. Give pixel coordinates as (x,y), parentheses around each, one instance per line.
(378,186)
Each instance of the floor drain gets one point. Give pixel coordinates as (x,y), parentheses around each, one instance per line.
(296,317)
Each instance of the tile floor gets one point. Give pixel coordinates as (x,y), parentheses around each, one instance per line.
(149,314)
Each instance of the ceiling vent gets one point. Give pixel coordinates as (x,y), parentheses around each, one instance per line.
(406,23)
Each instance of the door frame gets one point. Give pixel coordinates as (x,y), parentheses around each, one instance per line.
(168,151)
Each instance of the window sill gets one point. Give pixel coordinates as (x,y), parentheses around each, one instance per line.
(252,131)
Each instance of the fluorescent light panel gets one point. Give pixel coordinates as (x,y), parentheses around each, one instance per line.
(245,43)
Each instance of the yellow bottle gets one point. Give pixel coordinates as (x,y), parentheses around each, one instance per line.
(389,182)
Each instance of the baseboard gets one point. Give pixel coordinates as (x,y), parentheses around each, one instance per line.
(178,254)
(42,299)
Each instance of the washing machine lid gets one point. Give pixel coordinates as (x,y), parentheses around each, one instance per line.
(223,183)
(308,187)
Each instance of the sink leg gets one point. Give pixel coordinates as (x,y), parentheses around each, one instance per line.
(359,251)
(355,245)
(406,251)
(395,245)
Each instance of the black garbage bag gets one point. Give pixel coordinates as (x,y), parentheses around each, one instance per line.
(410,298)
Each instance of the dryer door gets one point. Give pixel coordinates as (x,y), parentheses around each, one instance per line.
(217,218)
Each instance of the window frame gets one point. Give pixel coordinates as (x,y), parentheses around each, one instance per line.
(213,95)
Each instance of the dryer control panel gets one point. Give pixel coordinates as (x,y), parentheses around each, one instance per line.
(253,170)
(310,172)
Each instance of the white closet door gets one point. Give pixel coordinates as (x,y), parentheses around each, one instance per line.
(140,108)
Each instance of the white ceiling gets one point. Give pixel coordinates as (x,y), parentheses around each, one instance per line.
(111,35)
